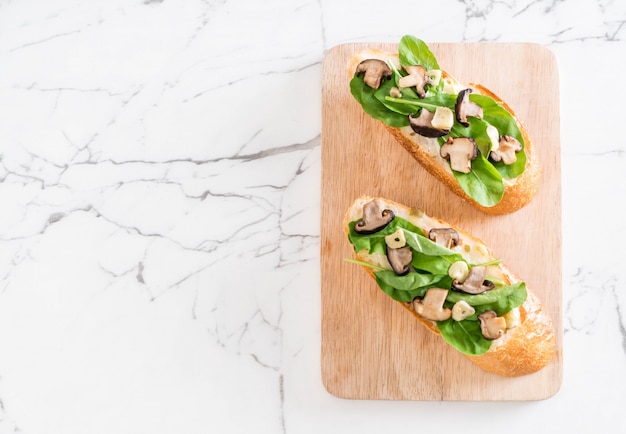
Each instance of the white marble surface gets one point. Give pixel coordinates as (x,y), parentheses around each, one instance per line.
(159,196)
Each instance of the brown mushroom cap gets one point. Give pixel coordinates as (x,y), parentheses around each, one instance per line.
(431,306)
(492,326)
(446,237)
(507,147)
(417,78)
(464,108)
(375,218)
(460,151)
(375,70)
(422,125)
(475,282)
(400,259)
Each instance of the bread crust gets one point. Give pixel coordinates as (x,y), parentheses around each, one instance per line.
(518,192)
(524,349)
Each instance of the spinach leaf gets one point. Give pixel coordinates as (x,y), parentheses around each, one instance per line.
(414,51)
(483,184)
(412,105)
(434,264)
(498,116)
(376,242)
(421,244)
(406,288)
(501,300)
(365,96)
(495,114)
(465,336)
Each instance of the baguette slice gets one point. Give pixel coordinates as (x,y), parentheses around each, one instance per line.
(523,349)
(518,192)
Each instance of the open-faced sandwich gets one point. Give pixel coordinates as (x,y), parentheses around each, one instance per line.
(464,135)
(449,280)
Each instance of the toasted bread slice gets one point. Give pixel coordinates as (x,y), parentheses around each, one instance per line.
(526,347)
(518,192)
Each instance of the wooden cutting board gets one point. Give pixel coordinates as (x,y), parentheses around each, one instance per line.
(372,348)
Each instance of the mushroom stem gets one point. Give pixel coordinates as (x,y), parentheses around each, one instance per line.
(431,306)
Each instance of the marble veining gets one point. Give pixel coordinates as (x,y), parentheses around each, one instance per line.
(159,187)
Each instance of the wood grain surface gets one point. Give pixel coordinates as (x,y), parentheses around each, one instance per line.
(371,347)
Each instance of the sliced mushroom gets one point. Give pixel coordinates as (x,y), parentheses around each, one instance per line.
(508,146)
(492,326)
(375,71)
(475,282)
(460,151)
(446,237)
(464,108)
(423,126)
(417,77)
(400,259)
(375,218)
(462,310)
(431,306)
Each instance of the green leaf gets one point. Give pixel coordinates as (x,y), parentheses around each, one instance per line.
(376,242)
(406,288)
(501,299)
(483,184)
(365,96)
(495,114)
(412,105)
(465,336)
(421,244)
(434,264)
(414,51)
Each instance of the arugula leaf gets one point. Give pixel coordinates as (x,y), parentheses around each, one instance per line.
(465,336)
(414,51)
